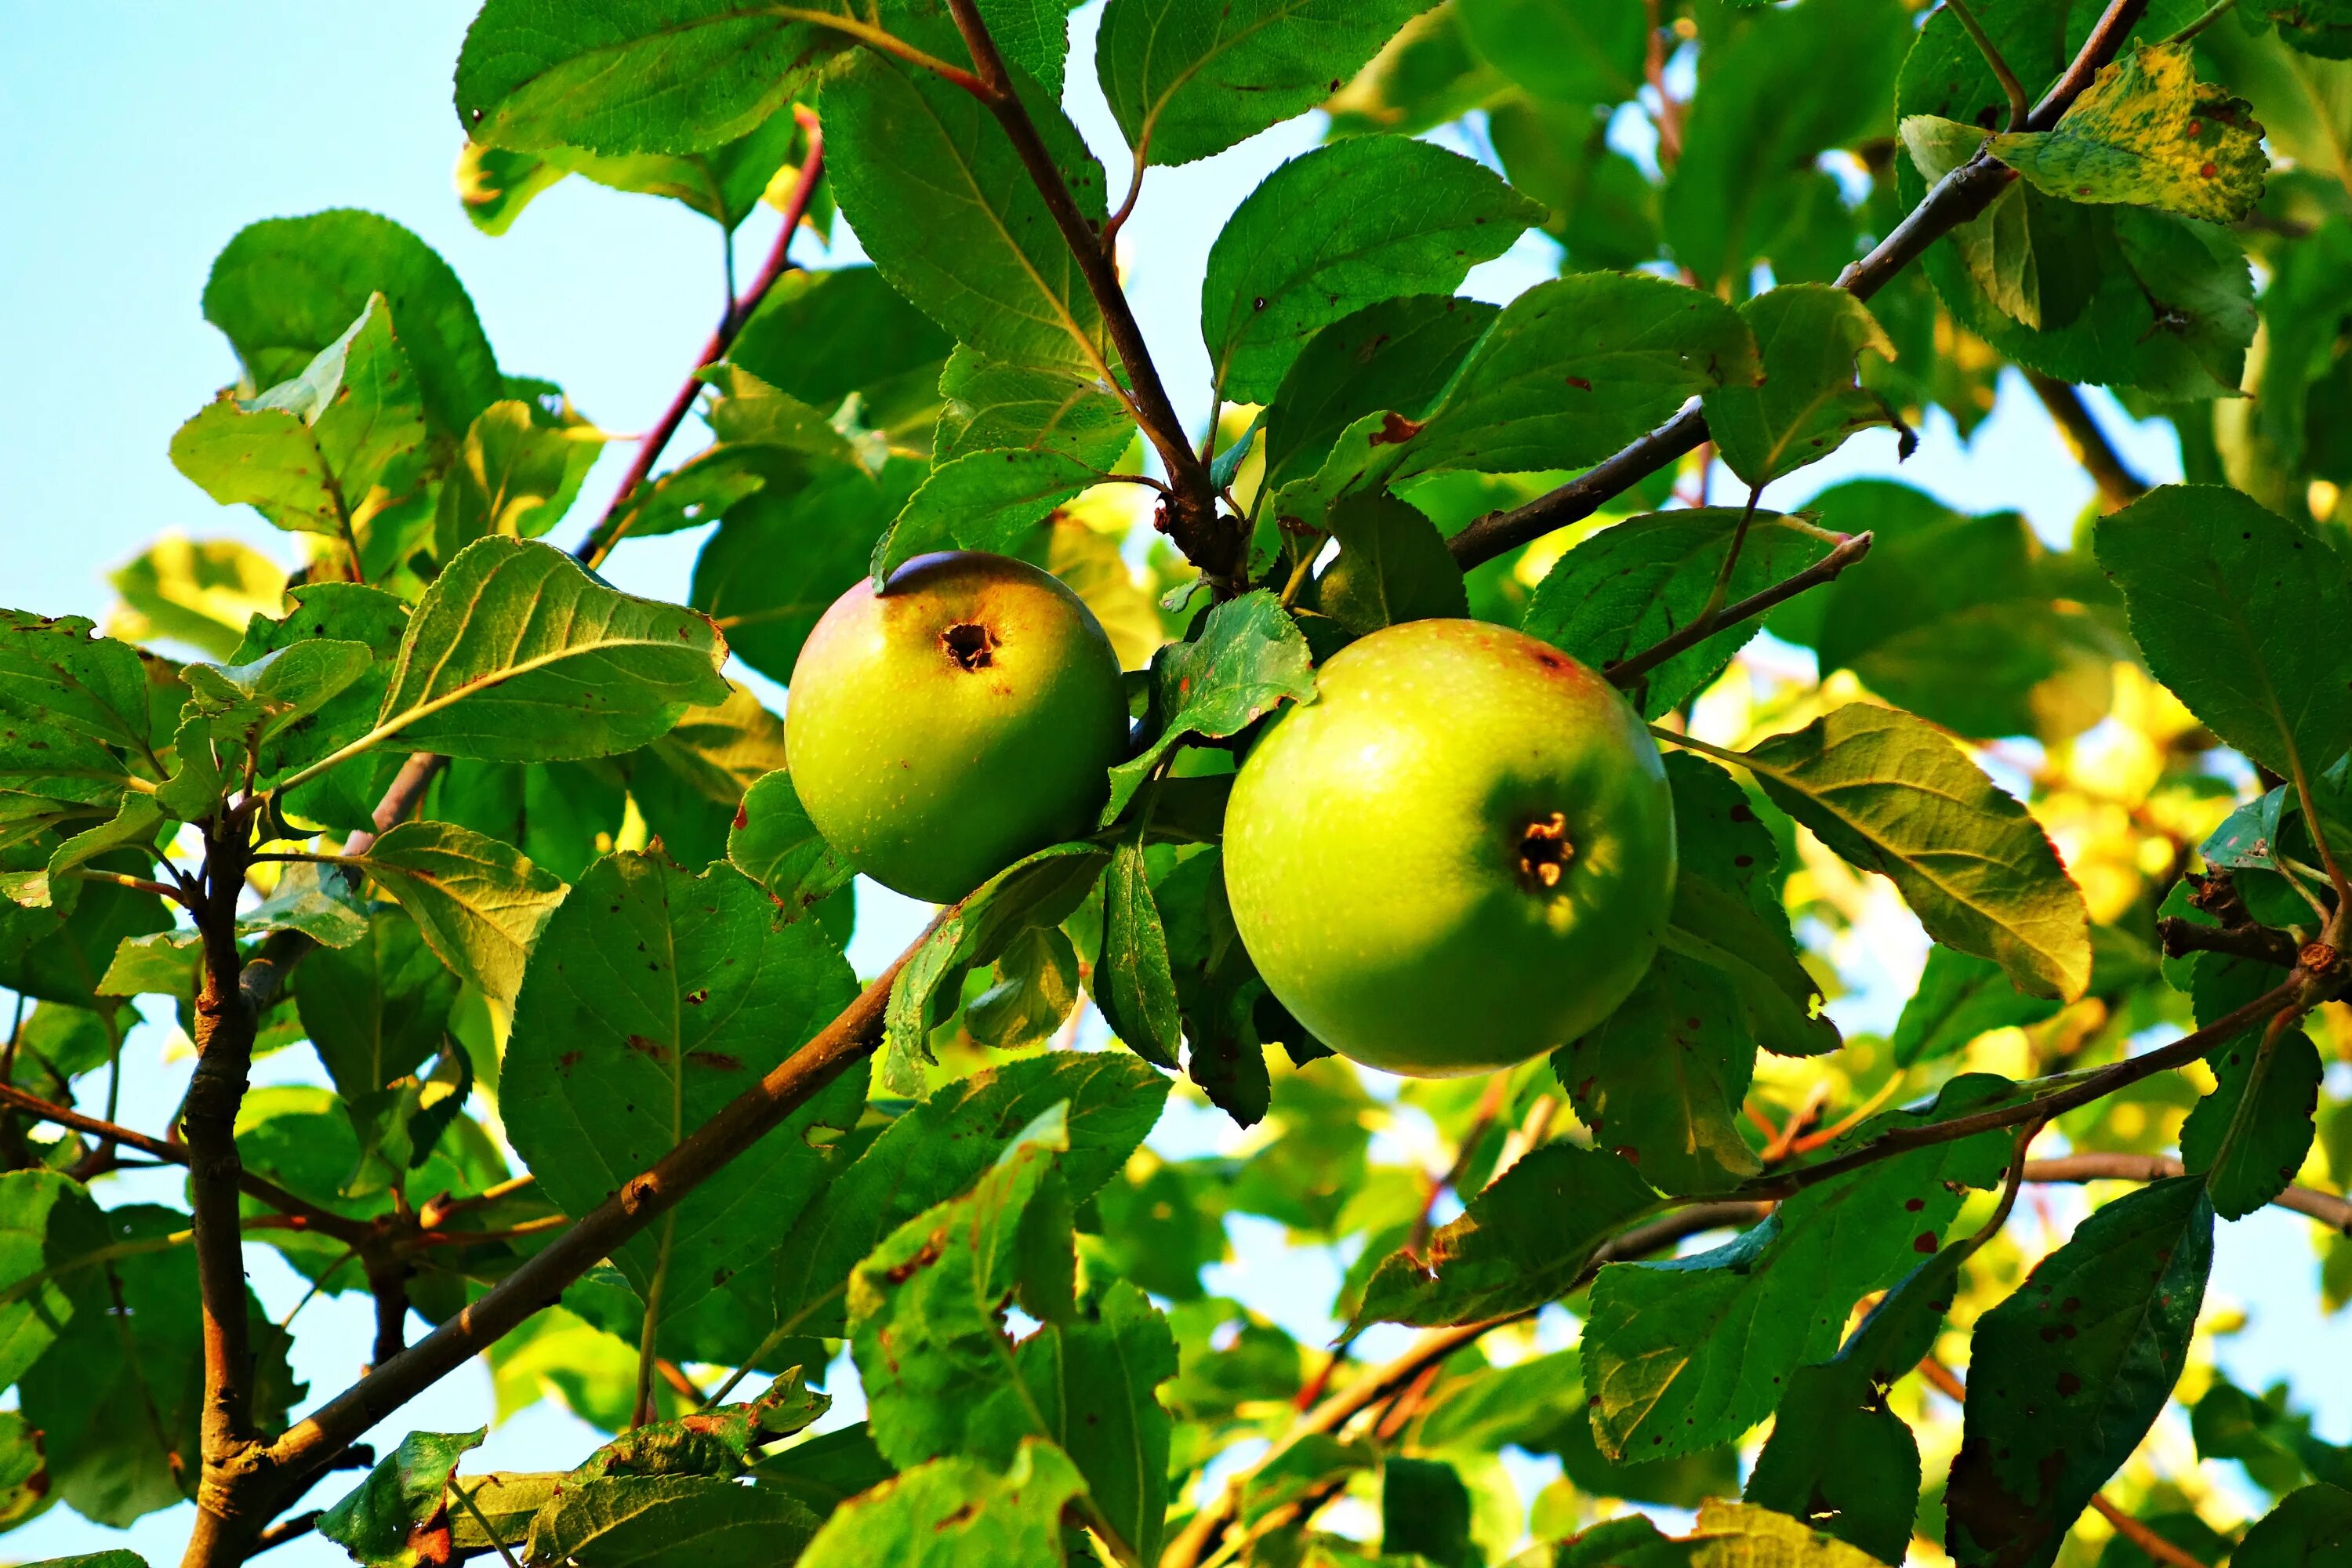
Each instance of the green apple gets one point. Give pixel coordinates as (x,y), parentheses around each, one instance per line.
(1459,856)
(941,729)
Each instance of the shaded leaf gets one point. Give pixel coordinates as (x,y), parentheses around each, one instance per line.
(653,999)
(1522,1242)
(1957,998)
(1392,566)
(774,842)
(669,1522)
(1575,368)
(1132,982)
(399,1517)
(2231,603)
(982,500)
(2067,1374)
(2250,1134)
(1395,355)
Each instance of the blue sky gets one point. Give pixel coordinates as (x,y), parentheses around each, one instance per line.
(144,136)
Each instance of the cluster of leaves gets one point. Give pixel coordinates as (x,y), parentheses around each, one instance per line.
(596,924)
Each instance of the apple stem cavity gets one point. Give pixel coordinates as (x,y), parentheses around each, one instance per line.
(1545,852)
(971,645)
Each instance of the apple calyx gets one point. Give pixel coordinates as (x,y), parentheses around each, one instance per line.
(1544,852)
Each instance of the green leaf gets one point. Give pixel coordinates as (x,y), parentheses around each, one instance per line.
(1344,225)
(1186,78)
(719,1441)
(1041,890)
(1969,622)
(376,1008)
(644,76)
(2233,606)
(198,592)
(994,405)
(349,614)
(724,182)
(1092,1381)
(1425,1511)
(1959,997)
(941,1146)
(749,412)
(2147,132)
(118,1396)
(1751,137)
(400,1516)
(653,999)
(513,476)
(1891,794)
(1684,1355)
(47,1221)
(1838,1459)
(690,785)
(952,220)
(1396,354)
(286,288)
(1584,54)
(2250,1134)
(774,842)
(1660,1079)
(163,963)
(310,898)
(1632,585)
(820,336)
(939,1373)
(982,500)
(1036,988)
(1737,1535)
(324,452)
(954,1512)
(1521,1243)
(1808,336)
(1604,211)
(783,557)
(55,956)
(2066,1376)
(1728,915)
(1132,982)
(478,903)
(670,1522)
(2120,296)
(2309,1528)
(1575,368)
(1250,656)
(56,671)
(1392,566)
(1998,243)
(516,654)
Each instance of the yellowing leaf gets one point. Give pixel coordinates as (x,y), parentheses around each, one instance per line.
(2149,133)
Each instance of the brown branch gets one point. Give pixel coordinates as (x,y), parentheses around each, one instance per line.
(291,1528)
(622,512)
(2295,995)
(1218,546)
(1201,1532)
(301,1213)
(2329,1210)
(1826,569)
(2118,486)
(226,1016)
(2264,944)
(1956,198)
(295,1458)
(387,1278)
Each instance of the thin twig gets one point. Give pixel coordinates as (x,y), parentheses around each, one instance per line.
(1627,671)
(2118,486)
(1956,198)
(2212,14)
(2329,1210)
(621,512)
(2264,944)
(1214,546)
(291,1528)
(2010,87)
